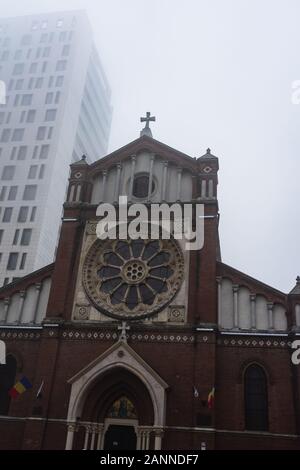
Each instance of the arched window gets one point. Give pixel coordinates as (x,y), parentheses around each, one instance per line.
(7,381)
(256,399)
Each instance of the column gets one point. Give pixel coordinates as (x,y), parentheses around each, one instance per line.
(86,437)
(94,429)
(235,289)
(21,304)
(38,288)
(70,436)
(253,311)
(117,185)
(100,436)
(150,177)
(203,188)
(133,161)
(6,308)
(158,438)
(219,282)
(179,176)
(270,306)
(164,186)
(104,176)
(138,439)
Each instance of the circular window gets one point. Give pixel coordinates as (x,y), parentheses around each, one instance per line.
(132,278)
(140,187)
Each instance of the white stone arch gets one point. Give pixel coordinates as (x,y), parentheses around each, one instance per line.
(120,355)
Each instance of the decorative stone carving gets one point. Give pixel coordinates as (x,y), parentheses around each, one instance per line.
(91,227)
(176,313)
(82,312)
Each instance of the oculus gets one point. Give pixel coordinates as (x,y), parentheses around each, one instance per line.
(132,279)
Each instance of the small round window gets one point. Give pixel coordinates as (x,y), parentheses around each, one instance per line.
(141,186)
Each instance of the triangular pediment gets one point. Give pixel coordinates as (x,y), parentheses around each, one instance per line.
(145,143)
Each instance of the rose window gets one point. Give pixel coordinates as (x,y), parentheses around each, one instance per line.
(132,278)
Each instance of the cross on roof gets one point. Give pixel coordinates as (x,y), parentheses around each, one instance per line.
(147,120)
(123,328)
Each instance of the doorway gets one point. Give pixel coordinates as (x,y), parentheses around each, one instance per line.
(118,437)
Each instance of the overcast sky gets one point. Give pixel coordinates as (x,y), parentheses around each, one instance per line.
(218,74)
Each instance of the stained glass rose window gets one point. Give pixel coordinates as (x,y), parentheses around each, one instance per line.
(132,278)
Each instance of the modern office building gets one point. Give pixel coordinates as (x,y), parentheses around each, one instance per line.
(57,109)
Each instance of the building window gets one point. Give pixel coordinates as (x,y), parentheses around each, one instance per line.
(41,133)
(8,117)
(19,84)
(1,235)
(44,24)
(16,100)
(49,98)
(50,132)
(33,214)
(16,237)
(66,50)
(32,172)
(22,152)
(35,151)
(30,83)
(256,399)
(18,54)
(23,261)
(33,67)
(50,115)
(5,135)
(28,53)
(59,23)
(2,116)
(7,214)
(42,172)
(13,153)
(50,82)
(31,115)
(18,69)
(46,52)
(5,55)
(23,213)
(18,135)
(26,236)
(7,381)
(44,152)
(57,96)
(30,192)
(8,172)
(22,117)
(26,100)
(61,65)
(12,193)
(2,193)
(62,36)
(39,82)
(59,80)
(44,67)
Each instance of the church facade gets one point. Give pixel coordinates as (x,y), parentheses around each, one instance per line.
(141,343)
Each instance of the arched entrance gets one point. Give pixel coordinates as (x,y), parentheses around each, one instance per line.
(116,402)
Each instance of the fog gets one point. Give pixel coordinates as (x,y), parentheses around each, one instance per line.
(218,74)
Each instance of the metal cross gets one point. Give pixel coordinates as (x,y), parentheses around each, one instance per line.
(123,328)
(148,118)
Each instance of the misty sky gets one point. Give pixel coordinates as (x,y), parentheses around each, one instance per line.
(218,74)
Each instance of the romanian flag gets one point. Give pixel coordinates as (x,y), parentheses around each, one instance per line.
(211,398)
(20,387)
